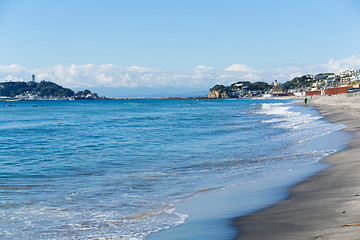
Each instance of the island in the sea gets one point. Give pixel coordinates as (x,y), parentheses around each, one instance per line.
(44,90)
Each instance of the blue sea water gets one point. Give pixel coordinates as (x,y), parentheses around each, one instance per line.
(152,168)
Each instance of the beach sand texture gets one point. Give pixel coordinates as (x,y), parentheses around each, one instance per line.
(327,205)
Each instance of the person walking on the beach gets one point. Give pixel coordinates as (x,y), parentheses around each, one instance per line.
(305,100)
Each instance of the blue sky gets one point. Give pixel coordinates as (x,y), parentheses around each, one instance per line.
(180,44)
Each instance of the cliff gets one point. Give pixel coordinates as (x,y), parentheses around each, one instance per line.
(219,91)
(217,94)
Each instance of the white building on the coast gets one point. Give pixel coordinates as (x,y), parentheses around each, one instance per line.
(275,83)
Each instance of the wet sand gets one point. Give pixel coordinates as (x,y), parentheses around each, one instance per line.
(327,205)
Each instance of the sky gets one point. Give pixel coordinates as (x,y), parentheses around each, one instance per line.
(144,46)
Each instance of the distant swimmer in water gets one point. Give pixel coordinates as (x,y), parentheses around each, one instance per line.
(305,100)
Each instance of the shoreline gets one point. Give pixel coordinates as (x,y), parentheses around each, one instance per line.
(326,205)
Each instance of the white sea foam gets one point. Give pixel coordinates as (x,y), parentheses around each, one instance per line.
(286,118)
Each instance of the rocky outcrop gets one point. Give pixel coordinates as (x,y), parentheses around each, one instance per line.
(218,94)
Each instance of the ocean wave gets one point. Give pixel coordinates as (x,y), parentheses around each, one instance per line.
(287,118)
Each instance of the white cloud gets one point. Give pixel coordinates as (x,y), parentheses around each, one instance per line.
(13,72)
(203,68)
(112,76)
(238,68)
(337,66)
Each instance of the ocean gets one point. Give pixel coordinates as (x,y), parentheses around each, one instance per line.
(138,169)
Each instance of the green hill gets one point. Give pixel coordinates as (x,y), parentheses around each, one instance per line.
(41,89)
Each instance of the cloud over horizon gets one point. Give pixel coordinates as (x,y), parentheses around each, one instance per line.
(238,68)
(112,76)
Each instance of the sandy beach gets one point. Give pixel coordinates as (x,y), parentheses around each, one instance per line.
(327,205)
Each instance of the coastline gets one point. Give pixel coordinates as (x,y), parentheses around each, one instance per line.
(326,205)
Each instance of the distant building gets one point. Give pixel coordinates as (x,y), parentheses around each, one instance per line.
(345,81)
(357,77)
(275,83)
(33,77)
(347,73)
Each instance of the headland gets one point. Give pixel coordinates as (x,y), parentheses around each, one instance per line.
(44,90)
(327,205)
